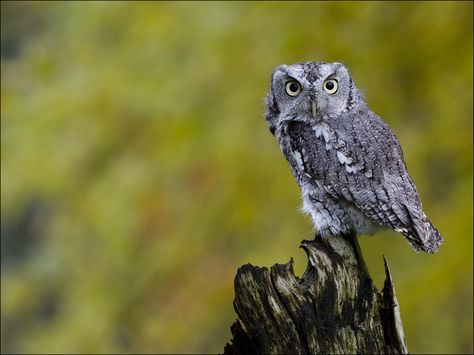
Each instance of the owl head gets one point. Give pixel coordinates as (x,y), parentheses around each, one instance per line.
(309,92)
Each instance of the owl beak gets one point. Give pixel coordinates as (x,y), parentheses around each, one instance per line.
(313,109)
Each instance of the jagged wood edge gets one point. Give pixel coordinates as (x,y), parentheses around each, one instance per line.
(294,336)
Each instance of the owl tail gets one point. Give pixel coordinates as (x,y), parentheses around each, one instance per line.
(424,236)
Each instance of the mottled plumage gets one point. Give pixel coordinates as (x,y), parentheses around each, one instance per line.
(346,160)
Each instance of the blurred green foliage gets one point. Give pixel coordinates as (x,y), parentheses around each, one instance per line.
(138,173)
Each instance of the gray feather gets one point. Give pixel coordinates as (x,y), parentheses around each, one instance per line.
(346,160)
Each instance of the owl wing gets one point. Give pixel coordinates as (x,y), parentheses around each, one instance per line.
(359,159)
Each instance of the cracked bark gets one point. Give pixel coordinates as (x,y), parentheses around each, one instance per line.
(332,308)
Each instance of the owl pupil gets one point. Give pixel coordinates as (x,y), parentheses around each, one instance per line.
(293,87)
(329,85)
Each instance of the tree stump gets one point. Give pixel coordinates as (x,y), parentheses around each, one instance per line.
(332,308)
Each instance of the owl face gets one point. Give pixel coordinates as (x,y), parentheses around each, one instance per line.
(308,92)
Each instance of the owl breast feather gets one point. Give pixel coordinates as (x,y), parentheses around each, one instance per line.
(356,160)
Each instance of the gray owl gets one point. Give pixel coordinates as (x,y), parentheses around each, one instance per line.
(347,161)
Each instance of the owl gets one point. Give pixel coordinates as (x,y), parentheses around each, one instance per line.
(346,160)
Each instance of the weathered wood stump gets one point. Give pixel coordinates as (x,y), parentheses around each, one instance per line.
(332,308)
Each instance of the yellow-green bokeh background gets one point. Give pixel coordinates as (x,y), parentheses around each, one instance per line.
(138,174)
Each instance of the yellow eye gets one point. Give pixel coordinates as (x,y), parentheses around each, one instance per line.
(293,88)
(330,86)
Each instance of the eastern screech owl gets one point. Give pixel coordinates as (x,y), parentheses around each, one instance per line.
(346,160)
